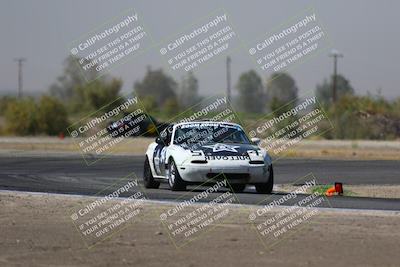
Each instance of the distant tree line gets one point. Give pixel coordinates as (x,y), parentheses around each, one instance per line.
(71,97)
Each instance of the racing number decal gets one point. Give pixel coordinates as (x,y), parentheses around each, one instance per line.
(159,159)
(156,159)
(163,155)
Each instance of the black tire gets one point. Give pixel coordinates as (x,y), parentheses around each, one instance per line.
(148,178)
(266,188)
(238,188)
(174,179)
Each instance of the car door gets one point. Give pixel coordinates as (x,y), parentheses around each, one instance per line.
(160,151)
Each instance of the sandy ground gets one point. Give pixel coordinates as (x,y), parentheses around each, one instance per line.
(347,149)
(54,144)
(36,230)
(335,149)
(382,191)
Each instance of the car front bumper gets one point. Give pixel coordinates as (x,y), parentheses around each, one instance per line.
(239,173)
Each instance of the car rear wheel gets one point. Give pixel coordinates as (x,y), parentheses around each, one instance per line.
(238,188)
(266,188)
(148,178)
(174,179)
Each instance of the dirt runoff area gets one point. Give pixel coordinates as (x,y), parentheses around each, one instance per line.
(37,230)
(375,191)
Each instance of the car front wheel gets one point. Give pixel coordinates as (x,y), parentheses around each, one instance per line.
(266,188)
(174,179)
(148,178)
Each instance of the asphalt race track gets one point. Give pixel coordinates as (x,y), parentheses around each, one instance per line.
(70,175)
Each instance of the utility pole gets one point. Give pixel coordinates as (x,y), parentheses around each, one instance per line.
(335,54)
(228,78)
(20,79)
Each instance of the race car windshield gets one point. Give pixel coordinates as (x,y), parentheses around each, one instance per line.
(209,133)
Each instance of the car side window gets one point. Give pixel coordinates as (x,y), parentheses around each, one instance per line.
(169,135)
(163,136)
(166,135)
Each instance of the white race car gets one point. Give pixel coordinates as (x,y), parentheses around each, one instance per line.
(205,151)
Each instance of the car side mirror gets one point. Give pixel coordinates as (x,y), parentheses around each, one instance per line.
(255,140)
(159,141)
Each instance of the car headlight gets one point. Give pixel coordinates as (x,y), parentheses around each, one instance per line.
(197,153)
(256,157)
(198,157)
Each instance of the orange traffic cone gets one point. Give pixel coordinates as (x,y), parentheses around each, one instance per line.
(337,188)
(330,191)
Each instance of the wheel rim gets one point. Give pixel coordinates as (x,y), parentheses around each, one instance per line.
(172,174)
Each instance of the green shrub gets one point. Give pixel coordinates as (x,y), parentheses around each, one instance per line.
(171,106)
(25,117)
(20,117)
(52,116)
(4,101)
